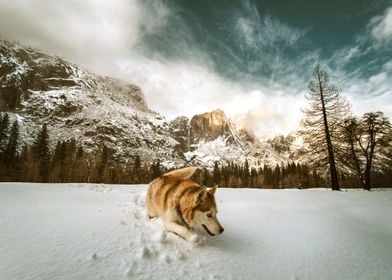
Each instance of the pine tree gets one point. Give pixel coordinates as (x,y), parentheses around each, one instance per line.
(155,170)
(253,178)
(137,170)
(268,176)
(4,126)
(276,176)
(58,163)
(70,160)
(226,176)
(327,108)
(245,175)
(102,164)
(216,175)
(79,166)
(42,154)
(206,177)
(24,161)
(11,149)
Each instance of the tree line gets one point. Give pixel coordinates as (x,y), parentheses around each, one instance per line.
(68,162)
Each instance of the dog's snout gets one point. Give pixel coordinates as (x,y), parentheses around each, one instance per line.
(221,230)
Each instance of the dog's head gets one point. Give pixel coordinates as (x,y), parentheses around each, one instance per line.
(204,212)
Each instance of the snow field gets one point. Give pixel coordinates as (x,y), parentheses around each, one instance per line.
(88,231)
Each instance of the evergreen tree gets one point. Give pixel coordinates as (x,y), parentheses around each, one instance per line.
(80,152)
(70,160)
(326,109)
(58,163)
(245,175)
(206,177)
(155,170)
(23,164)
(102,164)
(4,125)
(224,176)
(276,176)
(268,176)
(216,177)
(79,166)
(137,170)
(42,154)
(11,149)
(253,178)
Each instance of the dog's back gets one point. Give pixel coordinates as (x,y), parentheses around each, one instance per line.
(163,192)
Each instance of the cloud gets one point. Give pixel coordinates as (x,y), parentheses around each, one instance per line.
(186,88)
(363,70)
(265,113)
(267,32)
(153,45)
(381,26)
(90,32)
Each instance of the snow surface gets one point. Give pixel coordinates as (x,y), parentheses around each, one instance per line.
(87,231)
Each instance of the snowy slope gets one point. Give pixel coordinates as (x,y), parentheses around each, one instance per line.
(100,232)
(78,104)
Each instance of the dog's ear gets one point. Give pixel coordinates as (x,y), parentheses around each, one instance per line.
(200,197)
(213,189)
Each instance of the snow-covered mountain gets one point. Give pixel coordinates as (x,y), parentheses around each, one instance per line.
(37,88)
(212,137)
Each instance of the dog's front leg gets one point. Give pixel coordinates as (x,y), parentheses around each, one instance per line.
(183,232)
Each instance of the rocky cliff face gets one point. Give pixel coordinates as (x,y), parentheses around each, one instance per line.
(36,88)
(181,132)
(24,71)
(209,126)
(212,137)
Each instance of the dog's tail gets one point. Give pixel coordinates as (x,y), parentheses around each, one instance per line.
(183,173)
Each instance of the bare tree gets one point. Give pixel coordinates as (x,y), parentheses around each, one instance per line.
(369,143)
(326,110)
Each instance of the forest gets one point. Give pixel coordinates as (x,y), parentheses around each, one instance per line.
(68,162)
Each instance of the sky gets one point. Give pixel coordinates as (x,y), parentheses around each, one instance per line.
(251,58)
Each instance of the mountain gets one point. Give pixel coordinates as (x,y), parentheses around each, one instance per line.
(37,88)
(212,137)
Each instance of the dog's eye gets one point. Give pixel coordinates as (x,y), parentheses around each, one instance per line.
(209,215)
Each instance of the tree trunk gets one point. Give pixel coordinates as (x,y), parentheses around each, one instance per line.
(367,177)
(356,161)
(368,170)
(331,156)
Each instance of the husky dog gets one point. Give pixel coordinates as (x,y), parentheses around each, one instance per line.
(183,205)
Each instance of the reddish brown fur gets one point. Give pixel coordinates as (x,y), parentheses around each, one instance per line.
(180,203)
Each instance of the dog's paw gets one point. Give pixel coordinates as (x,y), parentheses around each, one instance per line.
(197,240)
